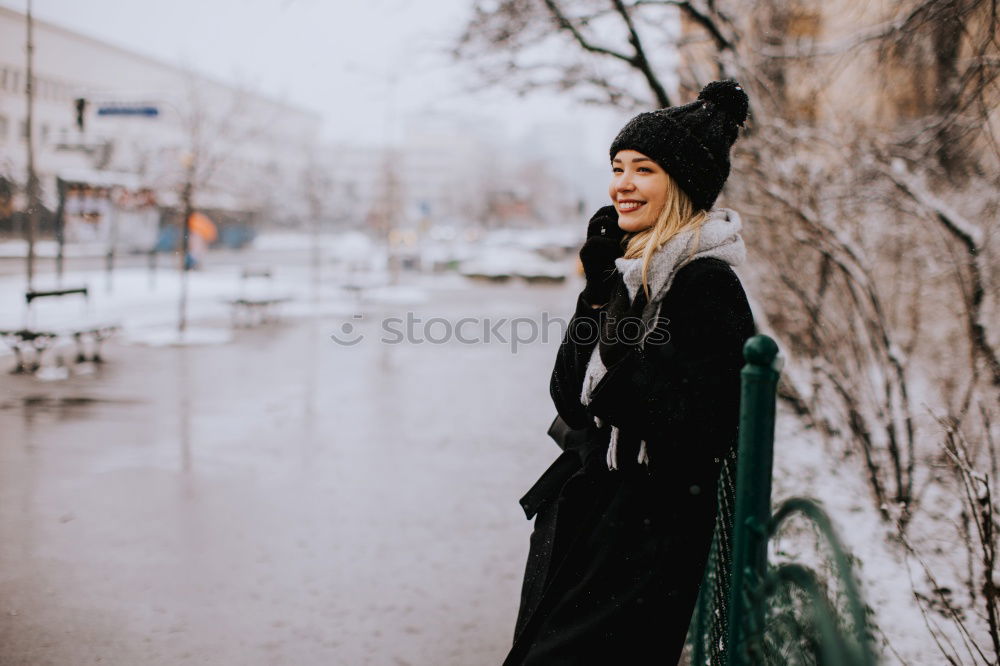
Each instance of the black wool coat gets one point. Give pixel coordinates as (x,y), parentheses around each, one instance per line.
(616,556)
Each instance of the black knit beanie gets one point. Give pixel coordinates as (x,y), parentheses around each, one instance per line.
(691,142)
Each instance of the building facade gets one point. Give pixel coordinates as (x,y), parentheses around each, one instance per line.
(105,114)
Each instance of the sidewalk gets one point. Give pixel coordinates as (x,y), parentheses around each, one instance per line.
(277,500)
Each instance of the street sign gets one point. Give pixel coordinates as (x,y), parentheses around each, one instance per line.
(147,111)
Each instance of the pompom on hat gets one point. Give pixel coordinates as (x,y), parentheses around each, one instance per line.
(691,142)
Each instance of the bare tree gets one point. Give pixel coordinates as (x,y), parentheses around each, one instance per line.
(554,44)
(211,139)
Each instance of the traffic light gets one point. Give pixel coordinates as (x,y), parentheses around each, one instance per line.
(81,108)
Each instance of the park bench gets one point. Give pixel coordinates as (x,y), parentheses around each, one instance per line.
(30,341)
(256,302)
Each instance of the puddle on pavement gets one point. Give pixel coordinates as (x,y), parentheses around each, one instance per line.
(67,405)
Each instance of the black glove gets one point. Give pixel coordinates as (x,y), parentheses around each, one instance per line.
(605,223)
(604,244)
(622,328)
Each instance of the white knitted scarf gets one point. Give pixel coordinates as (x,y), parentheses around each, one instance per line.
(719,237)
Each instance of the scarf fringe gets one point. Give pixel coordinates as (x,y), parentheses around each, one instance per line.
(612,458)
(612,455)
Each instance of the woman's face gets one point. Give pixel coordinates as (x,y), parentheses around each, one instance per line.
(638,190)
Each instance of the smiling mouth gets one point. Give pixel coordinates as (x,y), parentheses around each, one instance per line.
(629,206)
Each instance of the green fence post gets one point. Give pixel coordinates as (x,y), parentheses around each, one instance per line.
(753,498)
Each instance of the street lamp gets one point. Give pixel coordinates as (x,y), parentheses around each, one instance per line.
(32,184)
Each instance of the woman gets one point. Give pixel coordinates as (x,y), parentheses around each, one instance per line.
(646,385)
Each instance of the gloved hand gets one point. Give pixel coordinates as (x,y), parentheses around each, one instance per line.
(604,244)
(605,223)
(622,328)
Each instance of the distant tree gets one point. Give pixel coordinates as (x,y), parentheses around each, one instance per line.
(212,137)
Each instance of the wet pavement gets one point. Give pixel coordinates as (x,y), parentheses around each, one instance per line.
(282,499)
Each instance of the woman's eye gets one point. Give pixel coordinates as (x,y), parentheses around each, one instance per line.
(616,169)
(645,170)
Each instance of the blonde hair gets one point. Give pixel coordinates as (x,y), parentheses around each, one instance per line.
(677,215)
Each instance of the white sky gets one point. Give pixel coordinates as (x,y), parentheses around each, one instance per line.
(333,56)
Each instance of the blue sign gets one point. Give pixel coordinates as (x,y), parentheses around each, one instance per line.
(144,111)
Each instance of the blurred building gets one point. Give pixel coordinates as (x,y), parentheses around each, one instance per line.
(448,169)
(107,114)
(450,164)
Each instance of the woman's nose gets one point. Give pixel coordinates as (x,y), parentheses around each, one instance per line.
(624,184)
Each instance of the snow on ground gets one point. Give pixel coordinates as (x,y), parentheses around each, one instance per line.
(145,303)
(17,248)
(134,298)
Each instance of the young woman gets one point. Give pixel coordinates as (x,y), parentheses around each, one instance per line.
(646,384)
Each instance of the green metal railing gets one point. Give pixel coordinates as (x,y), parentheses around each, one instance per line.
(749,611)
